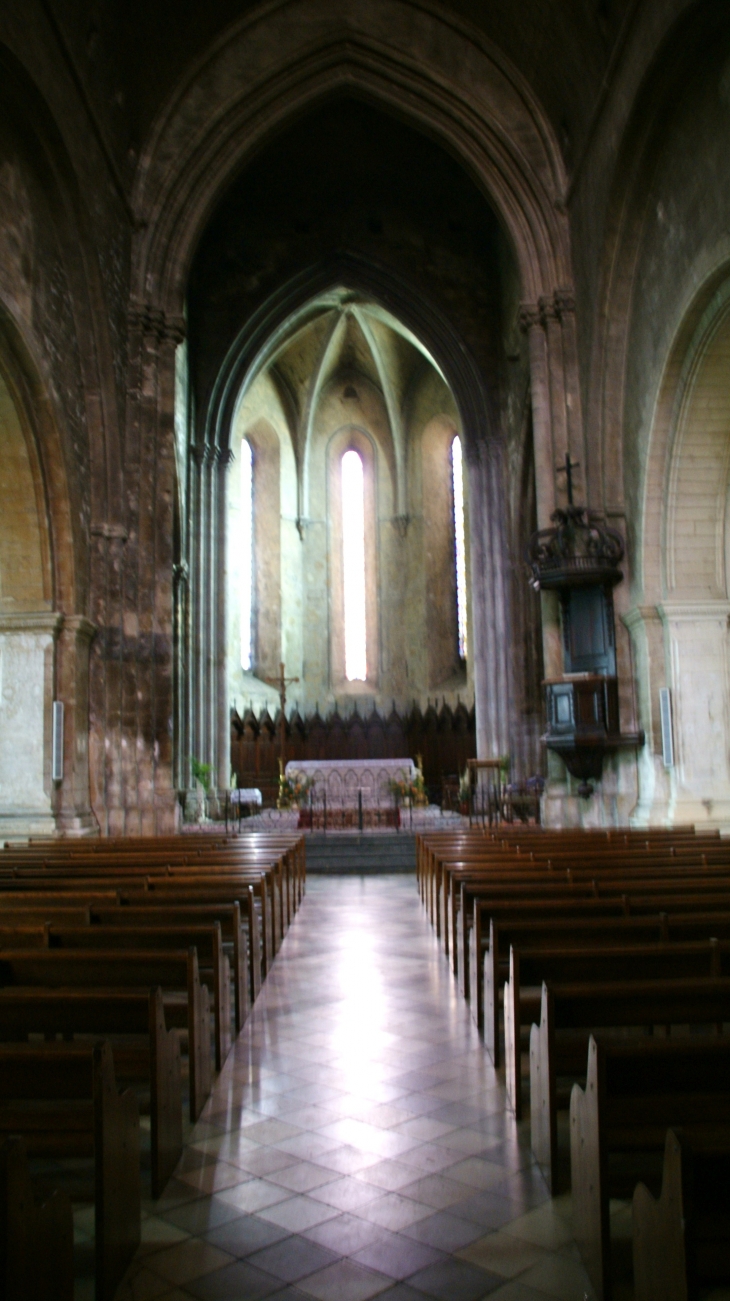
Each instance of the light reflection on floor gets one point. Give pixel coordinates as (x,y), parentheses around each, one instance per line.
(357,1143)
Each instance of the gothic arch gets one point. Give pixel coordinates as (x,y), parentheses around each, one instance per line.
(416,59)
(629,202)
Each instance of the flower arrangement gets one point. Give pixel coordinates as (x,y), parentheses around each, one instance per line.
(293,791)
(405,789)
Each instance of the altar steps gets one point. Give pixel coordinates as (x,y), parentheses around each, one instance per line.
(380,854)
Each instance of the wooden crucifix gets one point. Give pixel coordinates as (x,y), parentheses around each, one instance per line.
(281,683)
(567,469)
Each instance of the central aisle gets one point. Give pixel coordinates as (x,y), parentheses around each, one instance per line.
(357,1143)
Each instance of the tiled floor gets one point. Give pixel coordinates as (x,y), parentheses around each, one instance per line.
(357,1143)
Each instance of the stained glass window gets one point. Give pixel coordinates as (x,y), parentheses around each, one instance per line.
(353,566)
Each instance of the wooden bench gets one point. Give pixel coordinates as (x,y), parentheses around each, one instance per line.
(36,1235)
(571,1013)
(634,1092)
(529,968)
(681,1239)
(145,1051)
(648,904)
(186,999)
(598,932)
(213,965)
(63,1100)
(243,939)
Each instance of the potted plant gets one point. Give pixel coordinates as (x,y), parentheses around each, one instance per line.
(196,801)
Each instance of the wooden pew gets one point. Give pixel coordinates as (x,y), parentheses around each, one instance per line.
(244,941)
(571,1013)
(186,1000)
(36,1236)
(681,1239)
(145,1051)
(213,965)
(81,891)
(651,902)
(529,968)
(63,1100)
(599,933)
(634,1092)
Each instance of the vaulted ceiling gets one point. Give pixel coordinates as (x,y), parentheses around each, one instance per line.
(132,53)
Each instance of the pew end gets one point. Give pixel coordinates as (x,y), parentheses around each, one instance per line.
(165,1096)
(36,1237)
(660,1271)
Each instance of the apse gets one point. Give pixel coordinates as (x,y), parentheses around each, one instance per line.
(346,550)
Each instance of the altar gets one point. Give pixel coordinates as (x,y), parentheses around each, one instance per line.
(352,783)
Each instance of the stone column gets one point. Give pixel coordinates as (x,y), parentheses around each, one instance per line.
(222,753)
(696,649)
(73,810)
(105,677)
(490,601)
(26,695)
(131,705)
(646,629)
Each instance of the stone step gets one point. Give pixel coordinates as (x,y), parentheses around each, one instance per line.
(355,855)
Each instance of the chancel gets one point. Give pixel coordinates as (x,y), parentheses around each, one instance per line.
(364,573)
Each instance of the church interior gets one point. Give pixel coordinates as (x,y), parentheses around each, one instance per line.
(364,650)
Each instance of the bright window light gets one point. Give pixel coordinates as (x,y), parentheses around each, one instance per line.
(457,471)
(246,552)
(353,566)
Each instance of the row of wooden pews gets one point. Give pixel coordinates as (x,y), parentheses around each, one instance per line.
(597,964)
(127,967)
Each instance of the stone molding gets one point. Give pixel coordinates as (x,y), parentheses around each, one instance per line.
(36,621)
(685,611)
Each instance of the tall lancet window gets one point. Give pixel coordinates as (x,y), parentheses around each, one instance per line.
(457,473)
(353,567)
(246,554)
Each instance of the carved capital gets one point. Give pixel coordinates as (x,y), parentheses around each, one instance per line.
(153,323)
(564,303)
(529,317)
(202,454)
(400,524)
(224,457)
(548,311)
(80,627)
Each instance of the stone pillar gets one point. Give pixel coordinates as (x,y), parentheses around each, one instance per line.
(646,628)
(105,678)
(131,675)
(73,810)
(532,323)
(222,753)
(696,648)
(558,428)
(27,681)
(490,601)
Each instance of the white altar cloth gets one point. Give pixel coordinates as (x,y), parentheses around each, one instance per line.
(342,779)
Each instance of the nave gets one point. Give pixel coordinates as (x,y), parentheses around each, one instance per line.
(357,1142)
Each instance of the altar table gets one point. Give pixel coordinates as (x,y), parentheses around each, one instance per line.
(344,780)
